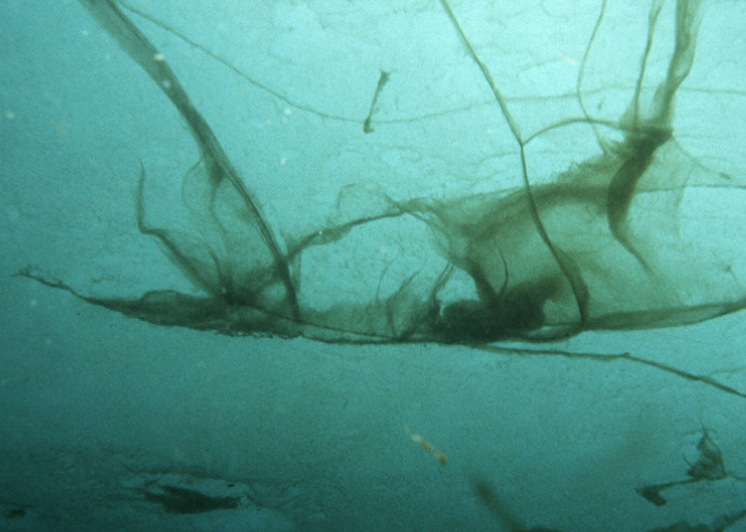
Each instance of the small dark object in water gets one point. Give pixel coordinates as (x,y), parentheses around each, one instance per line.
(177,500)
(13,513)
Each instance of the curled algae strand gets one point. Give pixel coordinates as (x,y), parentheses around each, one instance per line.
(612,238)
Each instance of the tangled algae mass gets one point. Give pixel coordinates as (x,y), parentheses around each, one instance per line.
(628,230)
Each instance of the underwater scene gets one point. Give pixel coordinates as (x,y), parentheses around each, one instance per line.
(354,265)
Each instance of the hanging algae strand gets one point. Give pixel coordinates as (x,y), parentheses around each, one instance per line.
(216,164)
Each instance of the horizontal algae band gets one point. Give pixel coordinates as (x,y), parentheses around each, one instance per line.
(615,240)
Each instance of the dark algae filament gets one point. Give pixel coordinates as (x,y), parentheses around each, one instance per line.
(605,242)
(383,78)
(215,168)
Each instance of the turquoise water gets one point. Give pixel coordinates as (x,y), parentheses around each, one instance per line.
(431,266)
